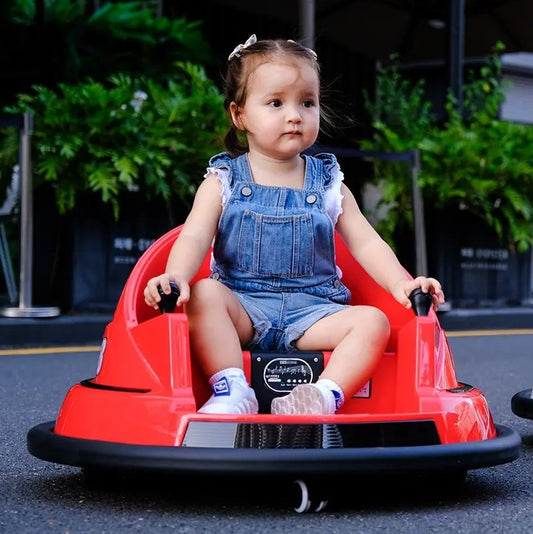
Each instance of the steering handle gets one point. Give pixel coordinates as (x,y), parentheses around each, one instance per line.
(421,301)
(167,304)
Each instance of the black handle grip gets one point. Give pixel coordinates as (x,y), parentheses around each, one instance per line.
(421,301)
(167,304)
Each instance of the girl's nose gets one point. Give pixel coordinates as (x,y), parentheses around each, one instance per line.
(293,114)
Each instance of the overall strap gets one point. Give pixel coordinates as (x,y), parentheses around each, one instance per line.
(314,173)
(242,171)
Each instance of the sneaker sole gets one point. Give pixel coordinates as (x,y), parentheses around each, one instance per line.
(305,399)
(243,408)
(246,406)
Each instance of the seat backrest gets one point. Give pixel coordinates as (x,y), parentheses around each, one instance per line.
(365,290)
(152,263)
(11,201)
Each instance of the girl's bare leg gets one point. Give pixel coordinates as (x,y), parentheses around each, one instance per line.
(218,326)
(357,336)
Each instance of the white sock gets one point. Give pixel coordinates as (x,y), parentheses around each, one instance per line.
(325,384)
(234,373)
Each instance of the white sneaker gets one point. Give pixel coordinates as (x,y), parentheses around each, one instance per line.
(304,399)
(231,397)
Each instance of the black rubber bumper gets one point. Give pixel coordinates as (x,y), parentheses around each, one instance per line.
(43,443)
(522,404)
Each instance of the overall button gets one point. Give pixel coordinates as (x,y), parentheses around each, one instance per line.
(311,199)
(216,276)
(246,191)
(337,284)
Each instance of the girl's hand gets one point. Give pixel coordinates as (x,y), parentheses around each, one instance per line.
(151,294)
(403,288)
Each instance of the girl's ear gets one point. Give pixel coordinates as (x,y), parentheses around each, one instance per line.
(236,116)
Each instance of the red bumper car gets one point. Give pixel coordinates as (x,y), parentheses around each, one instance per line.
(140,410)
(522,403)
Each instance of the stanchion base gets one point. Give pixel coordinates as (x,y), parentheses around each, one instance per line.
(31,311)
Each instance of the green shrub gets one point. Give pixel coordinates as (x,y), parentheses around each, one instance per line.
(124,135)
(71,40)
(474,162)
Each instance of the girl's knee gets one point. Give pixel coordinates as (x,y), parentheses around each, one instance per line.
(204,287)
(204,292)
(376,321)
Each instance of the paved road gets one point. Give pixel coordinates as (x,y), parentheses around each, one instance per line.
(37,496)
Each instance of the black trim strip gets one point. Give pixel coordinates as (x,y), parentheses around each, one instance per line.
(89,384)
(463,388)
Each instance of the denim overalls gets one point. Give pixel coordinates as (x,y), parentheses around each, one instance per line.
(275,249)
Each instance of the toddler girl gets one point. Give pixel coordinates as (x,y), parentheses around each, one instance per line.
(270,213)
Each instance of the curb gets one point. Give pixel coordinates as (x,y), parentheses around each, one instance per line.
(88,329)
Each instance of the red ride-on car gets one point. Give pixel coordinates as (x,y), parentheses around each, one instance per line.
(522,403)
(140,410)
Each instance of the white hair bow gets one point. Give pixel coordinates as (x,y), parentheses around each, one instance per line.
(240,47)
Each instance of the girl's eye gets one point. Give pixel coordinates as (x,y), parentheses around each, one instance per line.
(275,103)
(308,104)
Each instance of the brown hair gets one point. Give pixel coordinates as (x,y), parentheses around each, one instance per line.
(242,64)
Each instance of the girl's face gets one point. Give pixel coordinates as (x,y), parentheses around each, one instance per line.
(281,115)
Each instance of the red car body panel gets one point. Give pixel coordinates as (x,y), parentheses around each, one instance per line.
(147,355)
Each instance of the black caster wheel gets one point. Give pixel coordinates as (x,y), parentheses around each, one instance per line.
(522,404)
(308,499)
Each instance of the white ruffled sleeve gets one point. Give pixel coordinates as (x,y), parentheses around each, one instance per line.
(332,195)
(222,174)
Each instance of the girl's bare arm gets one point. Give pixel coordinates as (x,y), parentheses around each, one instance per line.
(190,248)
(377,257)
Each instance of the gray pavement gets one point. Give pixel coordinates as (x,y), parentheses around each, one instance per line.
(37,496)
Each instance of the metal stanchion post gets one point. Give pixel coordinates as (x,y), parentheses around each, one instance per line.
(25,308)
(418,215)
